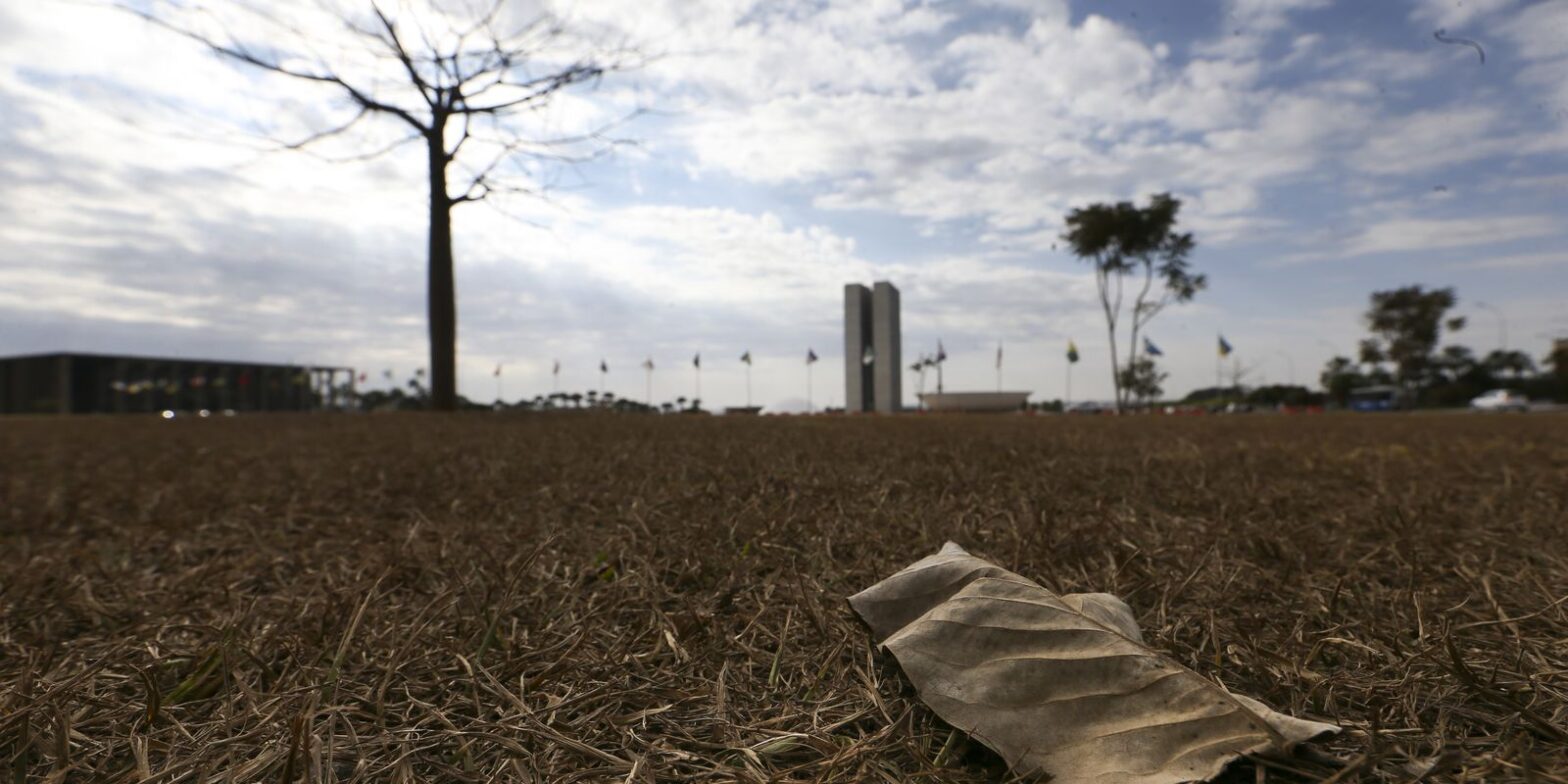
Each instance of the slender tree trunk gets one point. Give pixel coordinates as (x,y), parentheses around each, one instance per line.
(442,291)
(1132,357)
(1102,277)
(1133,346)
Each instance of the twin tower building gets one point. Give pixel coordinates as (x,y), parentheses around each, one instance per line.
(872,351)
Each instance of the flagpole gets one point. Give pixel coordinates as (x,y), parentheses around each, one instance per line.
(1069,401)
(748,385)
(808,388)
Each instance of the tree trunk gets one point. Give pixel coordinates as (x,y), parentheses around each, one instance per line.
(1102,278)
(1133,347)
(442,291)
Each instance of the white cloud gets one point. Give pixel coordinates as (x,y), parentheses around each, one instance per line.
(1036,122)
(1248,25)
(1411,234)
(1432,139)
(1537,30)
(1515,261)
(1454,15)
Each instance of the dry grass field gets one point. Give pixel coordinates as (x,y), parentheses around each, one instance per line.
(619,598)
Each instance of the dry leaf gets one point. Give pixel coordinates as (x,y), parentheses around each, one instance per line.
(1061,685)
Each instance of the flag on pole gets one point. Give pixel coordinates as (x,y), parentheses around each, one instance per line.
(1072,351)
(556,369)
(1151,349)
(362,377)
(746,357)
(604,367)
(498,370)
(387,374)
(1225,347)
(941,353)
(647,364)
(811,358)
(696,360)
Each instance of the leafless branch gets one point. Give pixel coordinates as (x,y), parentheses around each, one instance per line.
(475,73)
(236,51)
(401,53)
(328,133)
(480,185)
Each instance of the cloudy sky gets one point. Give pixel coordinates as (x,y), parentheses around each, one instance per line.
(1322,149)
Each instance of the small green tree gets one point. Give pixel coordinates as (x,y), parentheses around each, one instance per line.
(1142,380)
(1510,363)
(1124,240)
(1457,362)
(1339,377)
(1557,360)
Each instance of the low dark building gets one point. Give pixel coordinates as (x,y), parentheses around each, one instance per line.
(68,383)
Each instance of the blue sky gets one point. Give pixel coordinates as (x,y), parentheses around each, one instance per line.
(1322,149)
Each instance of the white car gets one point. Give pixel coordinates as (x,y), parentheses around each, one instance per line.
(1501,400)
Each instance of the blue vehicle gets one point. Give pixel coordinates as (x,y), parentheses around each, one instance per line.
(1377,398)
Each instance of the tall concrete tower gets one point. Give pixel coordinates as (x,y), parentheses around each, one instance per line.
(887,362)
(858,397)
(872,349)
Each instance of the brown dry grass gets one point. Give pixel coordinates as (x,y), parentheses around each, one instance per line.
(579,598)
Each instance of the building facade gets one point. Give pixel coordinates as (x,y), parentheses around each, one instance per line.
(69,383)
(858,384)
(872,349)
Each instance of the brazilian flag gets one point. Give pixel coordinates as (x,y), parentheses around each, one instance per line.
(1072,351)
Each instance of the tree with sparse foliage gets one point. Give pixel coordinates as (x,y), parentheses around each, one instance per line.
(1124,241)
(1339,377)
(1558,360)
(1142,380)
(1407,325)
(465,81)
(1510,363)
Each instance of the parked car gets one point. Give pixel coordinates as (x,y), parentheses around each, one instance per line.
(1501,400)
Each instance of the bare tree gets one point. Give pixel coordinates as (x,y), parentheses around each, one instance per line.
(460,80)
